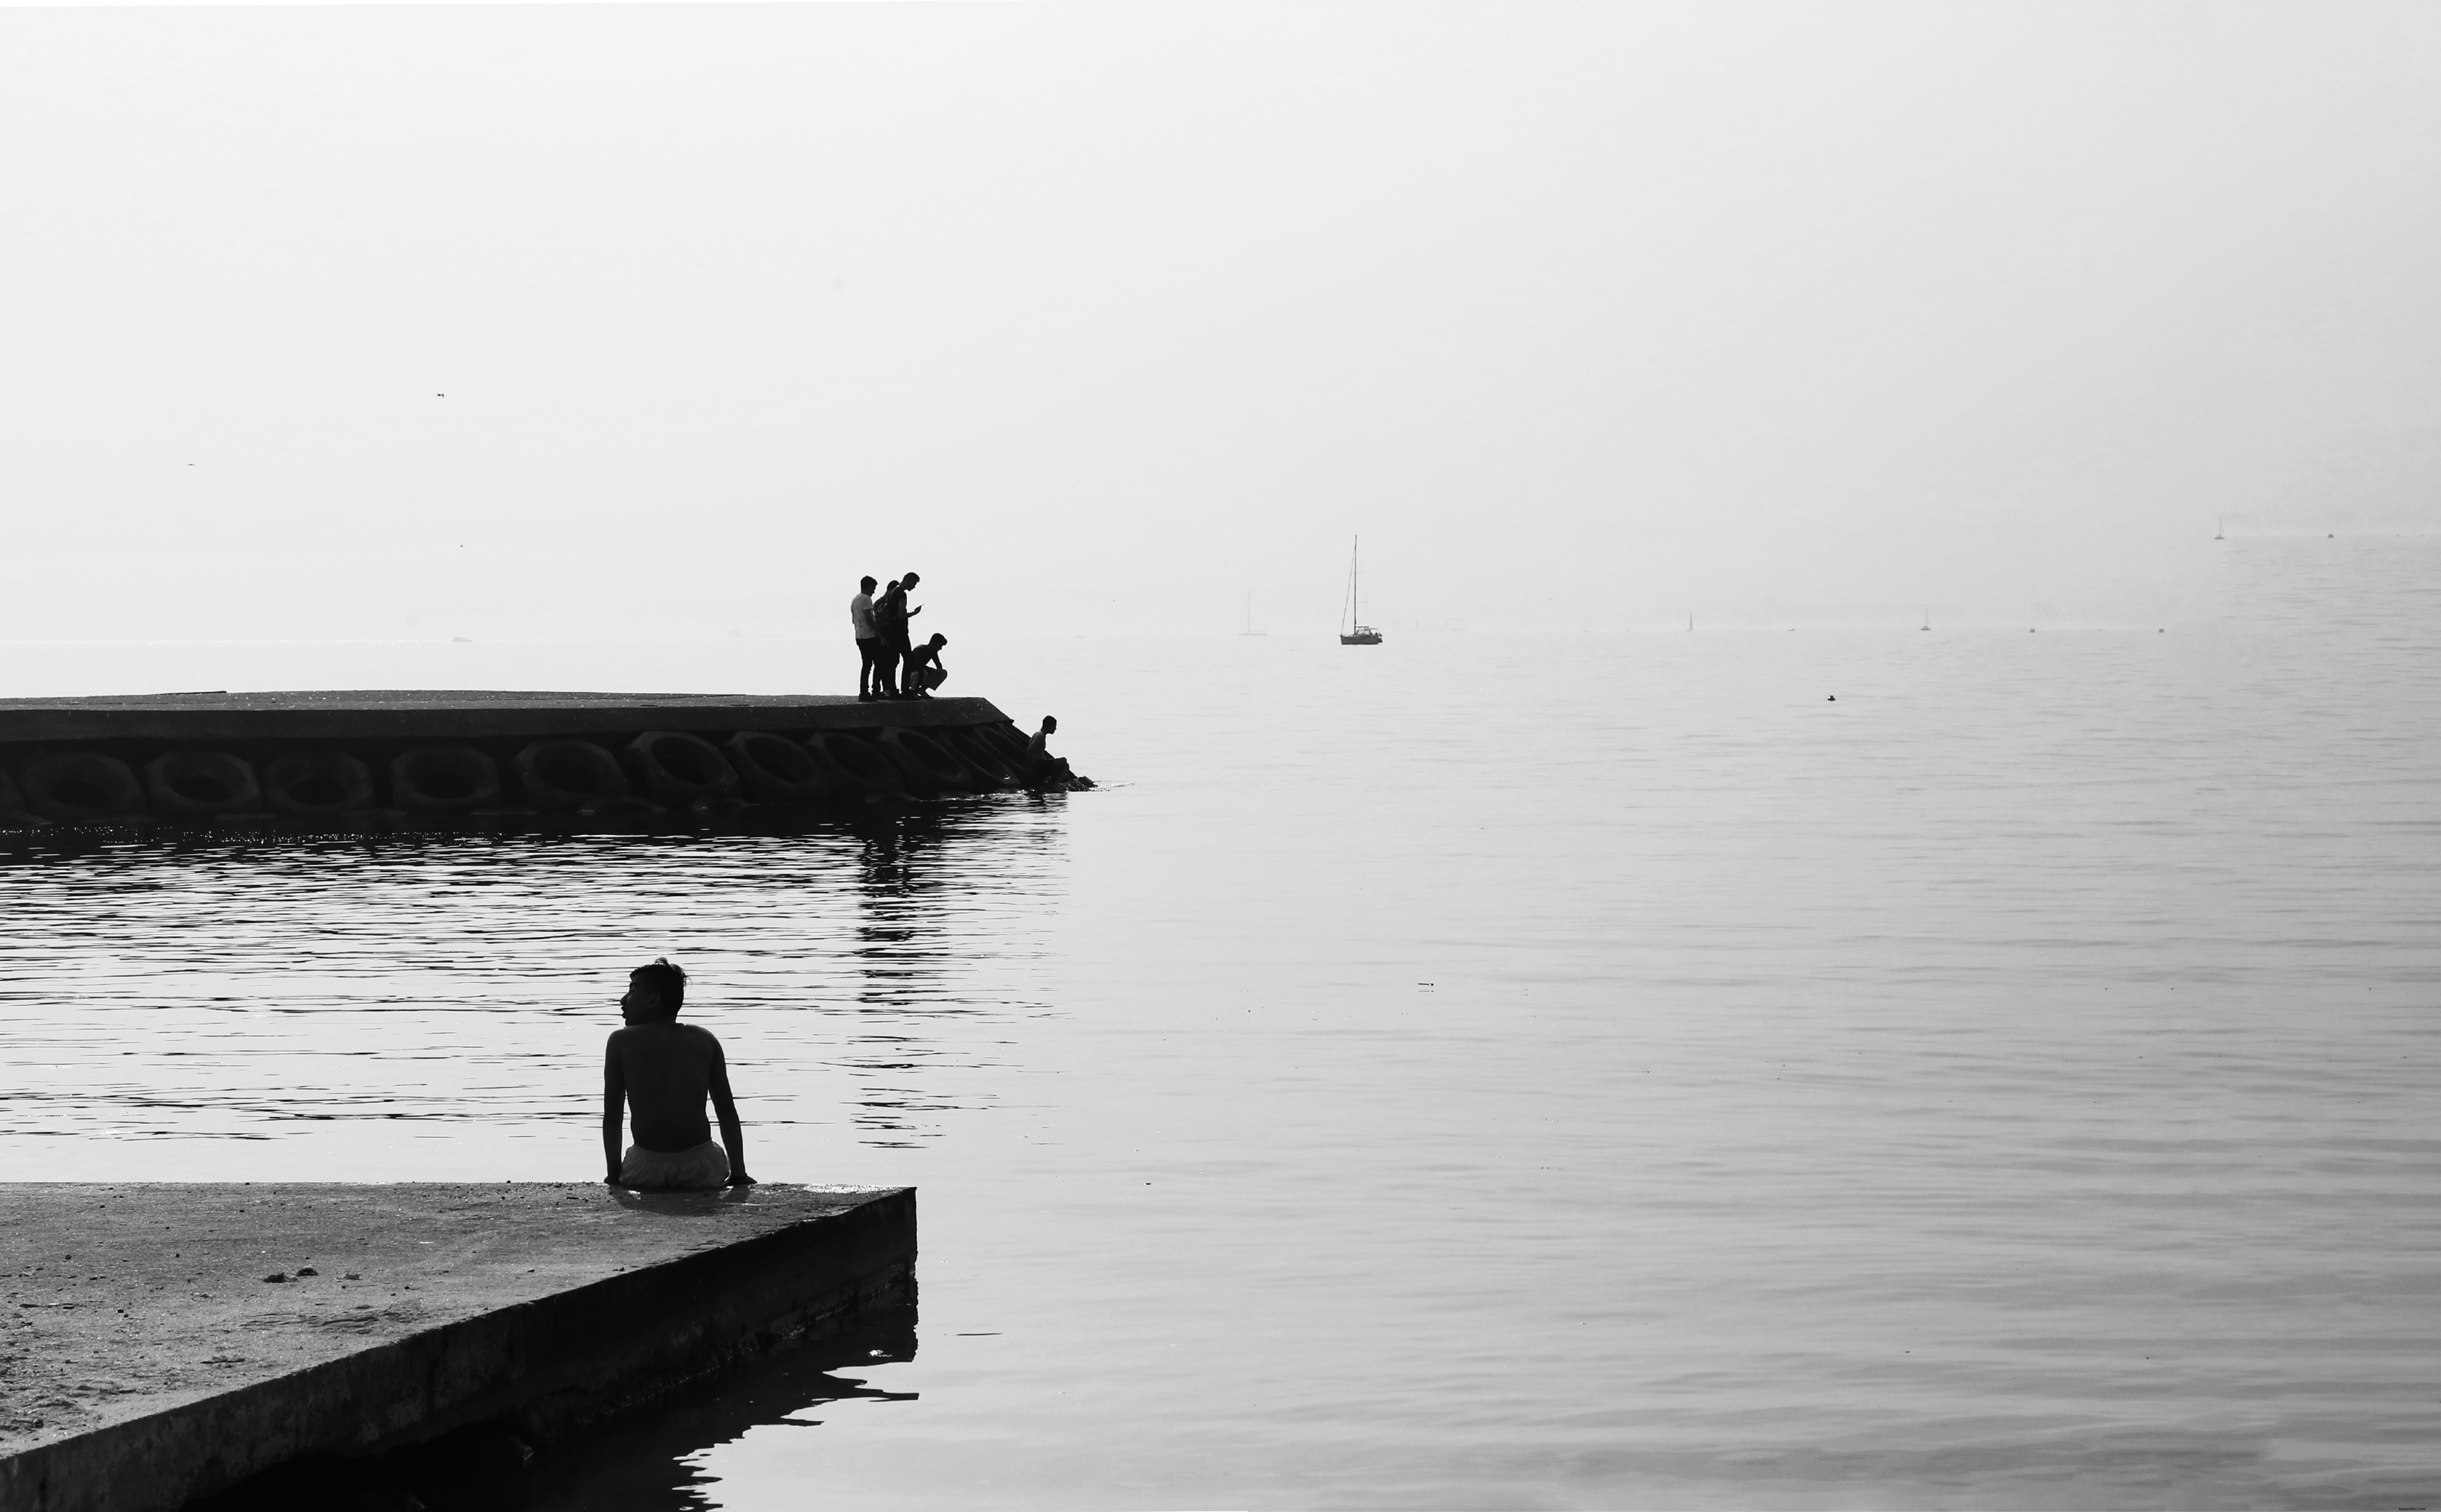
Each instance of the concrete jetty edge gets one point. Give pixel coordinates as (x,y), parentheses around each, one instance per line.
(543,1367)
(338,761)
(162,720)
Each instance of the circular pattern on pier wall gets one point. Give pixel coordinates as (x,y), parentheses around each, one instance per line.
(81,787)
(14,815)
(1006,738)
(444,780)
(981,759)
(776,770)
(856,767)
(317,784)
(201,785)
(929,769)
(679,770)
(565,774)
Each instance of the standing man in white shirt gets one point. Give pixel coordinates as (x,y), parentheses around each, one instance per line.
(869,644)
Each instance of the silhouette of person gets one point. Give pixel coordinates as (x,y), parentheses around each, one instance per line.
(885,648)
(924,670)
(868,643)
(662,1071)
(889,616)
(1042,768)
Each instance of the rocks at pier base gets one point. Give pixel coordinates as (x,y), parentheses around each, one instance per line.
(170,1343)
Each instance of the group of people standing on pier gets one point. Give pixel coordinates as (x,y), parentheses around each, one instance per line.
(892,667)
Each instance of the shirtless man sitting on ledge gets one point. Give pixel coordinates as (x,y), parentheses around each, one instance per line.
(662,1070)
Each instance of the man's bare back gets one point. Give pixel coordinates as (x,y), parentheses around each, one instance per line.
(667,1070)
(660,1071)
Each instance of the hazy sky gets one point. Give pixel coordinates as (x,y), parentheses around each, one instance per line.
(1107,316)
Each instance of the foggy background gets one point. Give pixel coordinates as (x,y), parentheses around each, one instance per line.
(1109,318)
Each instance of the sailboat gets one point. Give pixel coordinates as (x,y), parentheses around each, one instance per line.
(1358,633)
(1250,629)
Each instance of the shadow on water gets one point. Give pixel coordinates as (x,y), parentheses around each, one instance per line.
(638,1461)
(646,1463)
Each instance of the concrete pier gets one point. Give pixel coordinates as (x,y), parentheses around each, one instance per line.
(377,760)
(373,716)
(164,1343)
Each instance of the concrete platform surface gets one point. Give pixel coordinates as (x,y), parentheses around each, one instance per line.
(455,715)
(162,1341)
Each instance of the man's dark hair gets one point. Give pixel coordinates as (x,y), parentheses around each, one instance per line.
(866,584)
(911,580)
(940,640)
(666,982)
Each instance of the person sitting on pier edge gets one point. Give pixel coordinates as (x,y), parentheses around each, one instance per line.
(868,643)
(1043,770)
(662,1071)
(889,616)
(924,670)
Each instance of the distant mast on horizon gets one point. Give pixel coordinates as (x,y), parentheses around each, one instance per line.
(1250,629)
(1358,633)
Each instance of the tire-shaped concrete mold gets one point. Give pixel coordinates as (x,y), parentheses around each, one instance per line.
(929,767)
(1005,738)
(776,770)
(679,770)
(14,815)
(201,785)
(979,758)
(857,768)
(444,780)
(570,774)
(83,787)
(316,784)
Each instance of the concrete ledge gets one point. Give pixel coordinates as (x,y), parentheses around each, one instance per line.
(182,719)
(148,1361)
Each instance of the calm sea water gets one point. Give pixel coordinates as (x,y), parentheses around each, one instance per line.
(1752,1068)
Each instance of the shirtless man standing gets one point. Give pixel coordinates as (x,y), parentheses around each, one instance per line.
(662,1069)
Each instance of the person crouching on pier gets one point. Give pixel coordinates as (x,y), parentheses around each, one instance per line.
(924,670)
(661,1070)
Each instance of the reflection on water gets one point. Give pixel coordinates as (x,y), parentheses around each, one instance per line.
(917,927)
(189,988)
(651,1462)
